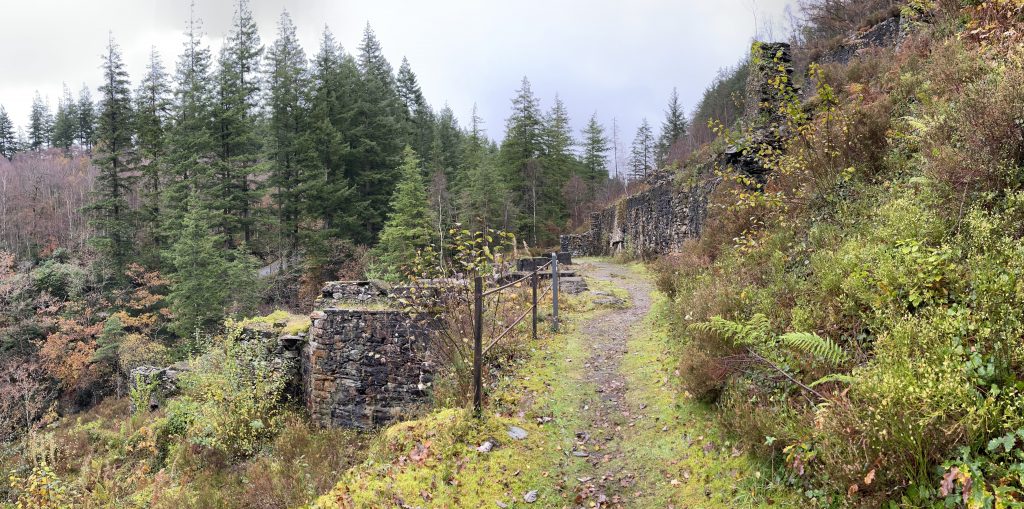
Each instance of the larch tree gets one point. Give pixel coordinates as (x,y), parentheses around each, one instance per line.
(641,155)
(408,228)
(115,159)
(673,127)
(8,141)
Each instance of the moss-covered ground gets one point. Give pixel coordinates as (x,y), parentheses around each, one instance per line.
(606,423)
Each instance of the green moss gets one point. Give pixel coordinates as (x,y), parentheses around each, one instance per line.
(293,323)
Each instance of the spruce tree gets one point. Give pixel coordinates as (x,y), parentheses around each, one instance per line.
(408,228)
(375,135)
(190,145)
(674,126)
(330,198)
(208,281)
(520,150)
(558,165)
(152,112)
(291,151)
(641,157)
(418,112)
(238,145)
(8,141)
(65,123)
(86,119)
(483,197)
(115,158)
(39,124)
(595,152)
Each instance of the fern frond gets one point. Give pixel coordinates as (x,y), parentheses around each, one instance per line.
(753,332)
(834,377)
(823,349)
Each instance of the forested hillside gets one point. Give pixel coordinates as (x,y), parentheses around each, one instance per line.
(841,327)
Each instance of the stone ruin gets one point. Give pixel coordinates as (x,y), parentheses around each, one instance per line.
(672,207)
(364,365)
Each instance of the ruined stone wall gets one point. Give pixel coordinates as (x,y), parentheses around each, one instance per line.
(364,364)
(654,221)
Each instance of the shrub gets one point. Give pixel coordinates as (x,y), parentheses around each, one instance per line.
(61,280)
(231,398)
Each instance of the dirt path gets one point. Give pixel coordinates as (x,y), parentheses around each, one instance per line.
(608,412)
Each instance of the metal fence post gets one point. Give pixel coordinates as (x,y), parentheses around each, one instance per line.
(534,284)
(478,336)
(554,291)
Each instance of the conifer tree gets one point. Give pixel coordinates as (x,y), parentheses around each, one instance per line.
(86,119)
(330,198)
(595,151)
(483,197)
(290,148)
(65,123)
(190,137)
(375,137)
(208,280)
(238,145)
(408,228)
(674,126)
(115,158)
(558,166)
(39,124)
(152,111)
(522,146)
(641,157)
(8,141)
(421,118)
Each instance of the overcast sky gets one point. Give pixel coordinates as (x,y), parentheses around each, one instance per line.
(619,58)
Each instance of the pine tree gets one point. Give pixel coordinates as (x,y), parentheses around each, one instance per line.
(152,112)
(190,145)
(522,146)
(208,280)
(674,126)
(65,123)
(595,152)
(115,157)
(86,119)
(40,124)
(408,228)
(290,149)
(233,190)
(8,141)
(641,158)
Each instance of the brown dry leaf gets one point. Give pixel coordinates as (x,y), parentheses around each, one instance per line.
(852,489)
(868,479)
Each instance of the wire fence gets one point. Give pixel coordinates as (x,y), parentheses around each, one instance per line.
(479,296)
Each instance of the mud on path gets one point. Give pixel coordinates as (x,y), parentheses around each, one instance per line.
(608,412)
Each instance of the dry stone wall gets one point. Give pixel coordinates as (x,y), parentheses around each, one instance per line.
(364,367)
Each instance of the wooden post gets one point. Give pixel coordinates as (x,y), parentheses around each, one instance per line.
(478,337)
(554,291)
(533,283)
